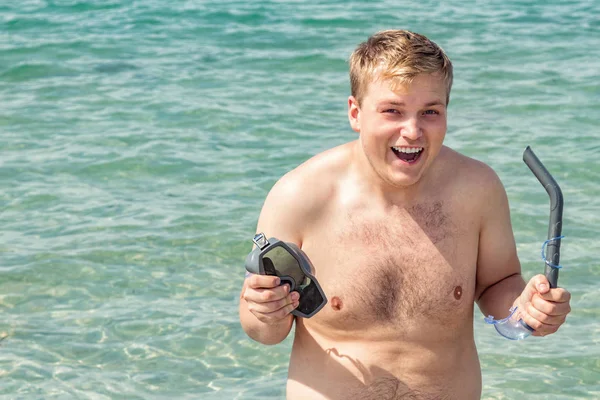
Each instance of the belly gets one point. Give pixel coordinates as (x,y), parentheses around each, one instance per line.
(356,369)
(399,322)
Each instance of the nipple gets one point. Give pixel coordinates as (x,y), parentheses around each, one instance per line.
(457,292)
(336,303)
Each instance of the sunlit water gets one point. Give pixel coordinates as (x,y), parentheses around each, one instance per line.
(138,140)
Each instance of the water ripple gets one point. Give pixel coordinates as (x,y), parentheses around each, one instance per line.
(139,139)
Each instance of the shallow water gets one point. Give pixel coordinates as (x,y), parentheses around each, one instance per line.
(139,139)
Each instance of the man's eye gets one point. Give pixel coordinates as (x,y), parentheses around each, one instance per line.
(431,112)
(393,111)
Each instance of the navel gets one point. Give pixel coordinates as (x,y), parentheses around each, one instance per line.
(457,292)
(336,303)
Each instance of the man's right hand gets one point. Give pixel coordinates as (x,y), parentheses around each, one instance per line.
(267,301)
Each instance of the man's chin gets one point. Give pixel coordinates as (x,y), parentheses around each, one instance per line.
(403,180)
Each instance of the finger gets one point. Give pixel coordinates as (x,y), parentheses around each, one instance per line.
(257,281)
(550,307)
(558,295)
(537,284)
(540,328)
(271,306)
(546,331)
(277,315)
(544,318)
(266,295)
(541,284)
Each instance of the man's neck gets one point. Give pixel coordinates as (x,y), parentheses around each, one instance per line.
(377,187)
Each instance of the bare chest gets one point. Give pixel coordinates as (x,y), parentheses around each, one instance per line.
(407,266)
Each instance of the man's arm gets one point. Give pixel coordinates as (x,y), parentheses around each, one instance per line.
(499,281)
(265,306)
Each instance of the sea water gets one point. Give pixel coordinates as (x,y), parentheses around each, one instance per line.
(138,140)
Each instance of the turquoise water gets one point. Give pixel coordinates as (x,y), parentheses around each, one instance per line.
(138,140)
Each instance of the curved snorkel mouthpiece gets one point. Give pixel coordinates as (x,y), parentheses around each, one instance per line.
(513,327)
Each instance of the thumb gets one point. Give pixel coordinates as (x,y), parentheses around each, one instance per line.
(537,284)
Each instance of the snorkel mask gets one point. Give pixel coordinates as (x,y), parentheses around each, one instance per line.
(292,266)
(511,327)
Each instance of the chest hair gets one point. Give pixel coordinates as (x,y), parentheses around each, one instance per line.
(397,267)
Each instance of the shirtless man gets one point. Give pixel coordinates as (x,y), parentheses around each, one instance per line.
(404,234)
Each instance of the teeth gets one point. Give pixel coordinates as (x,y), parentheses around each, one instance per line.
(408,150)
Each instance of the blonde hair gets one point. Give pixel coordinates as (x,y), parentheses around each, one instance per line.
(397,55)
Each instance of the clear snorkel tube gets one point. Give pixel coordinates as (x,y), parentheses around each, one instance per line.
(511,327)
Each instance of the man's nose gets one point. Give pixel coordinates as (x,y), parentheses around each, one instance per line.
(411,129)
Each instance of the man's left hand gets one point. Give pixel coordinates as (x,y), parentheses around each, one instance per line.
(542,308)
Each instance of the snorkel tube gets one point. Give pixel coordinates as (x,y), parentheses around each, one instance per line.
(552,257)
(510,327)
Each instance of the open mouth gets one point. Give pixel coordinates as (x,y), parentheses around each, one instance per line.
(408,154)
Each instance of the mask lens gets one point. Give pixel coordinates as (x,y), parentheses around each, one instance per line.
(278,261)
(310,298)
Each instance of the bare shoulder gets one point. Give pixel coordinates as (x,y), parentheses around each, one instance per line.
(304,193)
(308,186)
(474,181)
(469,171)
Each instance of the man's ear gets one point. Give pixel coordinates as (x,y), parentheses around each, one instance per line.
(354,114)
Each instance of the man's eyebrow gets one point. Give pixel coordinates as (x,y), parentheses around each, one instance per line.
(430,104)
(435,103)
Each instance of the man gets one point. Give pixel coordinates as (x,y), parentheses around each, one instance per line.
(404,234)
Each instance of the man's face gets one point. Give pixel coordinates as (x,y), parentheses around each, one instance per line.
(401,131)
